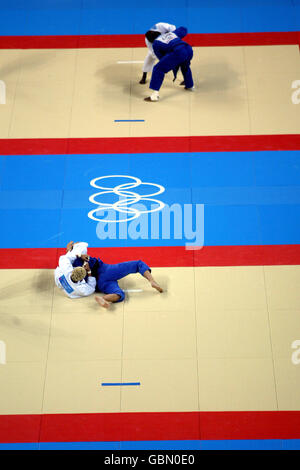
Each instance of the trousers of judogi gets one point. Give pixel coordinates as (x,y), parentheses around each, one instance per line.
(180,56)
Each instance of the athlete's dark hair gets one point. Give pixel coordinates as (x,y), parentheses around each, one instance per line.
(152,35)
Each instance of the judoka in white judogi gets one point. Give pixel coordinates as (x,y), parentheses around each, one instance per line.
(64,273)
(151,57)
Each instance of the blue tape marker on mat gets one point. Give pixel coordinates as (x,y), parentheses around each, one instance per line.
(129,120)
(108,384)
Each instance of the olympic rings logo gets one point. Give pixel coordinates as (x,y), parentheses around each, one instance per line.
(123,205)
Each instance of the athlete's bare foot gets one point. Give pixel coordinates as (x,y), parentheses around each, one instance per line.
(156,286)
(104,303)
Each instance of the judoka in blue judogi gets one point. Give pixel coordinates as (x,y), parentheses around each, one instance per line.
(173,53)
(106,276)
(151,57)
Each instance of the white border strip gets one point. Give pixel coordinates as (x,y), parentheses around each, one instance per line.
(133,290)
(130,62)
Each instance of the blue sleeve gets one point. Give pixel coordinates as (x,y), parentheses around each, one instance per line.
(159,49)
(181,32)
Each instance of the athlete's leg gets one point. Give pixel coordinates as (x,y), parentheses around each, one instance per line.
(106,300)
(138,266)
(113,293)
(185,67)
(103,302)
(167,63)
(187,74)
(114,272)
(154,284)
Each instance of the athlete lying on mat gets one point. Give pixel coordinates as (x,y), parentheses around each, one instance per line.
(81,275)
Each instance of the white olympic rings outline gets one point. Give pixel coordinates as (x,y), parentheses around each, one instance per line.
(131,198)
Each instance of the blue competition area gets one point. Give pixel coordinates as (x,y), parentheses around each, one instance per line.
(249,198)
(84,17)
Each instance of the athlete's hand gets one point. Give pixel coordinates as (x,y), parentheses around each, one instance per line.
(85,257)
(86,266)
(70,246)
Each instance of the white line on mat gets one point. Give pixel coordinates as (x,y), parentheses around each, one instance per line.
(133,290)
(130,62)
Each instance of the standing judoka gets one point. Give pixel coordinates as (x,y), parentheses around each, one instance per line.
(173,53)
(151,57)
(98,275)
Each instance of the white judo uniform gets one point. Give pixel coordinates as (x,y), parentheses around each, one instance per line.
(62,274)
(151,57)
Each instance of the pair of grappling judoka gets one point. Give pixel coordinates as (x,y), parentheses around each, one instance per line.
(164,42)
(80,275)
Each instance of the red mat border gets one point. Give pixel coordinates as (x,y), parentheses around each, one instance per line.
(93,427)
(166,256)
(138,40)
(121,145)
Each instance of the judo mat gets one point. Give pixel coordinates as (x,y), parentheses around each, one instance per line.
(211,363)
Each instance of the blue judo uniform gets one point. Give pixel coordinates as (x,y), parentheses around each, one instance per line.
(107,275)
(173,53)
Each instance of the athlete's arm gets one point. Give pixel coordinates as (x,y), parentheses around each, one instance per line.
(165,27)
(65,263)
(86,288)
(181,32)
